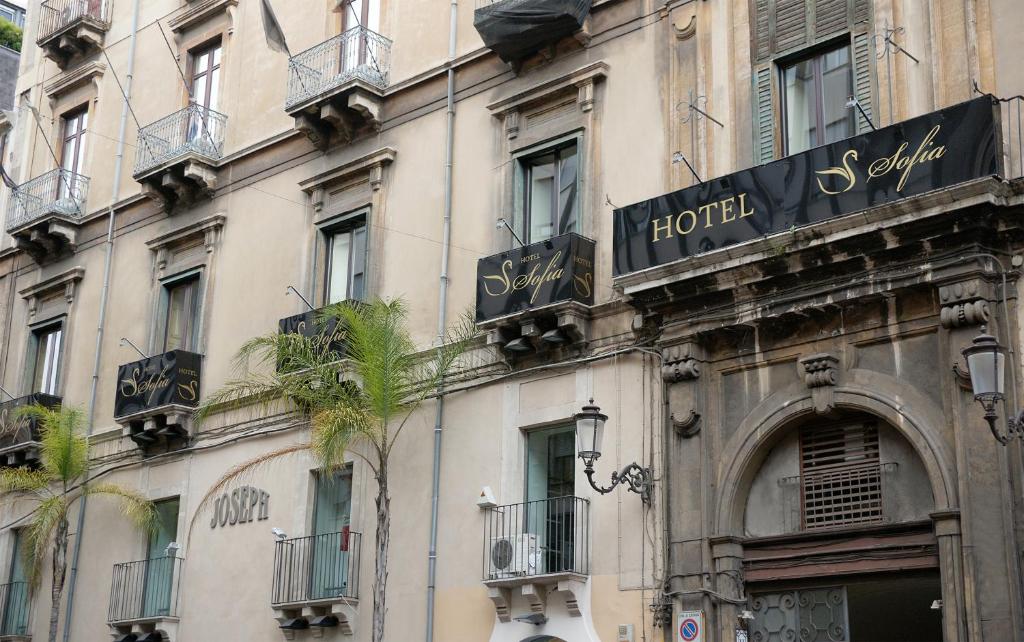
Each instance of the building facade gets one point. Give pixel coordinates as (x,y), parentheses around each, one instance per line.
(757,234)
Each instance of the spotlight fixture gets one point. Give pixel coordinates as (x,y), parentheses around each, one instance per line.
(535,619)
(519,345)
(324,621)
(295,624)
(554,336)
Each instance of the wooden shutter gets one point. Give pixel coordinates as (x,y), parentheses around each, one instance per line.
(790,24)
(830,17)
(762,37)
(863,79)
(840,475)
(764,114)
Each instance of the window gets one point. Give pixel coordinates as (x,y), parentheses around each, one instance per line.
(160,560)
(346,263)
(332,537)
(840,475)
(550,488)
(815,92)
(550,186)
(361,13)
(16,597)
(206,76)
(181,313)
(7,14)
(72,148)
(46,342)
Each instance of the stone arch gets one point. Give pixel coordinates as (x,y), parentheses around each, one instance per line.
(900,405)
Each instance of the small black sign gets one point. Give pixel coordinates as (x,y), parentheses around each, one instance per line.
(552,271)
(325,331)
(919,155)
(169,379)
(16,428)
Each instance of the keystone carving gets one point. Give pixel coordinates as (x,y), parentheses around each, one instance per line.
(821,373)
(964,303)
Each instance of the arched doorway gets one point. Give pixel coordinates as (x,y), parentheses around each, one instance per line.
(838,543)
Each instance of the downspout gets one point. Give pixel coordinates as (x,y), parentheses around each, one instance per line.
(442,318)
(104,296)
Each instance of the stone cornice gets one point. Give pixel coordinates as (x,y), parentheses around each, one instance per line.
(66,82)
(198,11)
(368,163)
(579,78)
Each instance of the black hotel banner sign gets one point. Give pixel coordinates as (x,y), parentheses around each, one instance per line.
(326,332)
(552,271)
(169,379)
(919,155)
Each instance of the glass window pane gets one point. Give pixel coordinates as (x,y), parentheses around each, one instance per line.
(47,360)
(540,193)
(338,268)
(837,87)
(801,107)
(180,299)
(214,89)
(202,60)
(358,263)
(216,56)
(567,188)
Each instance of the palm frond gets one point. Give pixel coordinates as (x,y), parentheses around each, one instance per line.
(39,535)
(334,431)
(64,450)
(135,506)
(23,480)
(242,469)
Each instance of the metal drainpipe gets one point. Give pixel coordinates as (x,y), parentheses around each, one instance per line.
(104,295)
(442,318)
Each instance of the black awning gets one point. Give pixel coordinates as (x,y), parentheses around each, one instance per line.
(513,29)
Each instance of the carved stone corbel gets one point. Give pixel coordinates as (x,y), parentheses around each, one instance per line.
(821,374)
(512,123)
(536,596)
(572,590)
(586,95)
(502,599)
(681,363)
(964,303)
(688,426)
(686,32)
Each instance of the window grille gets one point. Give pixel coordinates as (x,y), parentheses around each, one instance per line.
(841,476)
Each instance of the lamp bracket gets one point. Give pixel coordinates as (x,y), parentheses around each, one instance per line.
(637,479)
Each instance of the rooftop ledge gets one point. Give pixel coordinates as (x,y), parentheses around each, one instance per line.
(990,189)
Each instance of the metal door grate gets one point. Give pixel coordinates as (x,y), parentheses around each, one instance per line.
(841,477)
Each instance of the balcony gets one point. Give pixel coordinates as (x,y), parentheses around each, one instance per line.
(19,435)
(537,298)
(144,600)
(516,29)
(176,157)
(16,602)
(336,89)
(532,545)
(316,582)
(70,28)
(43,214)
(156,397)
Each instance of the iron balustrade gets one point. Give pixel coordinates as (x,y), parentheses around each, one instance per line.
(58,193)
(56,15)
(145,589)
(316,567)
(356,54)
(15,602)
(541,537)
(192,130)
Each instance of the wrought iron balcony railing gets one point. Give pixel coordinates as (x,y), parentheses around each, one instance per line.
(56,15)
(357,54)
(146,589)
(192,130)
(316,568)
(57,192)
(15,602)
(542,537)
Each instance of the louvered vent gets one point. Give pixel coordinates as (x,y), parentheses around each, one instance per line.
(840,475)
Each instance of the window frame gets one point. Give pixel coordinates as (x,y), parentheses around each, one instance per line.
(194,55)
(80,116)
(520,183)
(168,284)
(346,224)
(815,53)
(36,331)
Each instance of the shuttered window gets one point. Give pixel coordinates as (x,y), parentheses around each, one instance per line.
(781,29)
(840,475)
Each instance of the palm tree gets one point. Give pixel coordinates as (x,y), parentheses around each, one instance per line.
(364,399)
(53,488)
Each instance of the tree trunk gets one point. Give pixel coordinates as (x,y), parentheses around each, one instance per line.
(60,566)
(380,577)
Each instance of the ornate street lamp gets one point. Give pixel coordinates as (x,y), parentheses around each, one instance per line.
(589,432)
(986,361)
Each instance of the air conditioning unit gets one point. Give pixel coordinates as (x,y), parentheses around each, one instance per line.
(514,556)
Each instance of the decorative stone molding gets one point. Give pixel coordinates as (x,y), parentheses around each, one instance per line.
(502,599)
(62,84)
(207,231)
(199,11)
(371,166)
(688,426)
(964,303)
(821,374)
(512,123)
(685,32)
(536,596)
(681,363)
(65,283)
(572,590)
(582,80)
